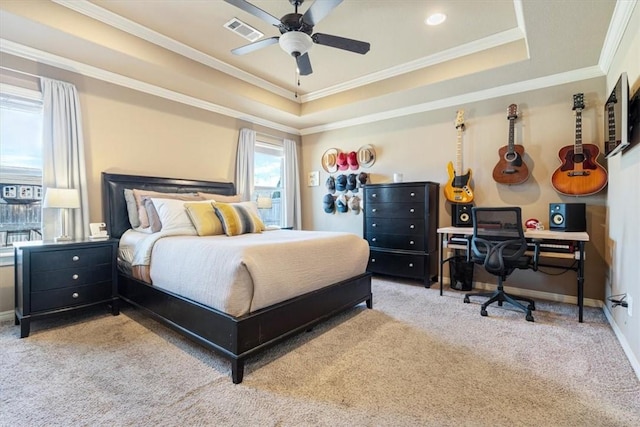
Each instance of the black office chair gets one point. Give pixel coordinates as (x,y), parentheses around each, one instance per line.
(498,243)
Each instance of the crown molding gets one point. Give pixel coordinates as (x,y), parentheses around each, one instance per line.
(482,95)
(619,21)
(67,64)
(114,20)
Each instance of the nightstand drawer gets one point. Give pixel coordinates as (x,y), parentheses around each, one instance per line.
(68,297)
(70,258)
(70,277)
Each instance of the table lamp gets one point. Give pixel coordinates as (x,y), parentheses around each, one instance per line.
(63,199)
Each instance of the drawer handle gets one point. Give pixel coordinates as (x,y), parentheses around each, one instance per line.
(76,258)
(413,194)
(412,210)
(411,265)
(412,226)
(374,224)
(74,277)
(411,242)
(374,195)
(374,239)
(75,295)
(373,260)
(374,210)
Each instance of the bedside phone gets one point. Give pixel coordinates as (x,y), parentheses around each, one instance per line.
(98,231)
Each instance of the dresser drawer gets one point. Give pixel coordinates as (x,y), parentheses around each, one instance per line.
(395,210)
(404,194)
(396,241)
(69,258)
(396,264)
(70,277)
(70,296)
(394,226)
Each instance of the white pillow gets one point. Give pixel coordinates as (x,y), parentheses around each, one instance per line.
(172,214)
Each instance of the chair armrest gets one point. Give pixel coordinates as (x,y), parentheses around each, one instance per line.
(469,238)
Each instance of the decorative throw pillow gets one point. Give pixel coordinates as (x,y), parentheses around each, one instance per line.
(142,212)
(155,224)
(172,214)
(204,219)
(132,208)
(238,218)
(220,197)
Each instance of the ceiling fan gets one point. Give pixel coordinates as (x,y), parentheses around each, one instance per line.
(296,30)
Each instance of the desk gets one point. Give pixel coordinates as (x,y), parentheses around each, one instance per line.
(580,238)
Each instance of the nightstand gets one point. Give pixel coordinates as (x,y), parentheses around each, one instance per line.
(56,277)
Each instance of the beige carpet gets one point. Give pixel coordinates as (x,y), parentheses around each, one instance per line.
(416,359)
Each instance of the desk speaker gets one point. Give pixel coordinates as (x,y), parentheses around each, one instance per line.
(461,215)
(567,217)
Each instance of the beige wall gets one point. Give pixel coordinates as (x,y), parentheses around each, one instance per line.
(421,145)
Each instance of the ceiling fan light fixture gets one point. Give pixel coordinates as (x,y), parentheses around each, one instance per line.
(295,43)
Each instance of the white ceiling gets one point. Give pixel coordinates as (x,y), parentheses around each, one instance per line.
(485,48)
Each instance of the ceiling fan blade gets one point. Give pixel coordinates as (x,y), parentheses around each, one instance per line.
(255,11)
(304,64)
(255,46)
(319,10)
(341,43)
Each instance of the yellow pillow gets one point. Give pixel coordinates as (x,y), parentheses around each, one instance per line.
(204,218)
(238,218)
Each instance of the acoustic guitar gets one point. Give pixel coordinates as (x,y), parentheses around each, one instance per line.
(511,169)
(580,174)
(458,188)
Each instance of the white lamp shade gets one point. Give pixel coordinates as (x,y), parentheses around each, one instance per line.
(264,203)
(295,42)
(61,198)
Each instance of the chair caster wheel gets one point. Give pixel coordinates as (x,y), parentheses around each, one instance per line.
(483,312)
(529,317)
(466,300)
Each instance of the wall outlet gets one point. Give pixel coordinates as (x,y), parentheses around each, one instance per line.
(629,305)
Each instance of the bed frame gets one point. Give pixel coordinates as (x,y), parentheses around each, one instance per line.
(235,338)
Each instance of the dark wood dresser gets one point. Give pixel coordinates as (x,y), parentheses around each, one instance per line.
(400,224)
(55,277)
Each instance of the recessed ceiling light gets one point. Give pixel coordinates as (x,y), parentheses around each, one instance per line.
(436,19)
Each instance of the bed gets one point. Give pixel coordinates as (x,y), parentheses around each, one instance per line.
(235,337)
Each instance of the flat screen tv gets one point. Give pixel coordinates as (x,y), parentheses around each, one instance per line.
(616,118)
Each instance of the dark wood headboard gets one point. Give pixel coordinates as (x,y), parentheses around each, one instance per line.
(114,206)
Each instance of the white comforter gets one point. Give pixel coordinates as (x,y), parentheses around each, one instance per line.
(242,274)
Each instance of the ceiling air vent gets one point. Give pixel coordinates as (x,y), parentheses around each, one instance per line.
(244,30)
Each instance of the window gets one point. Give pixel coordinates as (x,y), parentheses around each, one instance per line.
(20,166)
(267,181)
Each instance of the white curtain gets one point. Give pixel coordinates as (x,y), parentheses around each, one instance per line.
(244,163)
(63,154)
(292,207)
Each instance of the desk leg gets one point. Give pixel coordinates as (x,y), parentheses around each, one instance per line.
(580,273)
(442,236)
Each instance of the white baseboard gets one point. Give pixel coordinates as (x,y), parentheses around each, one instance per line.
(6,315)
(635,364)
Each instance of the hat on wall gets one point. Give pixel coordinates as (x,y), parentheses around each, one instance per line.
(352,159)
(352,182)
(354,204)
(328,203)
(329,160)
(331,185)
(366,156)
(341,182)
(363,177)
(342,161)
(342,203)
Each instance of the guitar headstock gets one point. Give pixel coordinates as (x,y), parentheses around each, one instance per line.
(512,112)
(578,101)
(460,119)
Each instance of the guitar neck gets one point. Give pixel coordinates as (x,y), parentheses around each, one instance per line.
(612,123)
(511,135)
(578,144)
(459,153)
